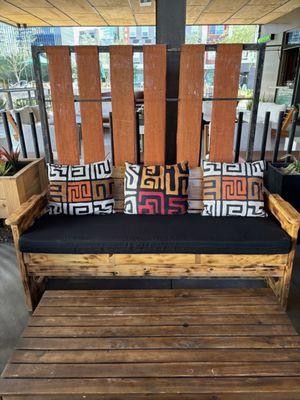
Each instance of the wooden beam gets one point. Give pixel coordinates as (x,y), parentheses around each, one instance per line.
(190,104)
(89,85)
(226,84)
(60,73)
(123,104)
(155,69)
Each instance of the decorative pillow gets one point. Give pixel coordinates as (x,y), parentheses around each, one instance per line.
(156,189)
(233,189)
(81,189)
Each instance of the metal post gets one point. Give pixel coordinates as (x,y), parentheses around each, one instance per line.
(170,30)
(7,131)
(42,105)
(265,135)
(238,137)
(256,95)
(278,135)
(21,134)
(292,134)
(34,136)
(111,128)
(138,138)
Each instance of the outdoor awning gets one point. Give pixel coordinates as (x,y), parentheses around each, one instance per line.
(131,12)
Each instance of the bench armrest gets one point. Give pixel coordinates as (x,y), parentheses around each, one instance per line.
(285,213)
(26,214)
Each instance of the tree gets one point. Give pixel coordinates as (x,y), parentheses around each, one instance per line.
(241,34)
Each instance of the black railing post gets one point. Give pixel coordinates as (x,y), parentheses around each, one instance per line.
(7,131)
(292,134)
(21,135)
(41,102)
(238,137)
(111,128)
(265,135)
(138,137)
(278,135)
(34,135)
(255,102)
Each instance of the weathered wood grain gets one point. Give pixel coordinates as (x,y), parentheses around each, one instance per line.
(155,73)
(60,74)
(190,103)
(89,86)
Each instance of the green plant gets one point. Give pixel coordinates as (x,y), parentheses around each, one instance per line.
(293,167)
(4,168)
(11,158)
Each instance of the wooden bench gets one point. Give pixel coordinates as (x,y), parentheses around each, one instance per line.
(230,344)
(273,266)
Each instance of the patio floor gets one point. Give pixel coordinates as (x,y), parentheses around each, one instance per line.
(14,317)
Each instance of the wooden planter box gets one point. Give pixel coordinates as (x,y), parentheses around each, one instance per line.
(16,189)
(287,186)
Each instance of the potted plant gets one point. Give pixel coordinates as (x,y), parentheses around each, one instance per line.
(19,180)
(284,179)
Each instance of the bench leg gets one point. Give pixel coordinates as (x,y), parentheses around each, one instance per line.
(281,286)
(286,281)
(32,287)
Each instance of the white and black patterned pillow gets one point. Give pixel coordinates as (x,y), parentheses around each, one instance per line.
(81,189)
(233,189)
(156,189)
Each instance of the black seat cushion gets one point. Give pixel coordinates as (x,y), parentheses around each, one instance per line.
(121,233)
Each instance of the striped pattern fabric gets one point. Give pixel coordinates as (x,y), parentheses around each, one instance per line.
(81,189)
(233,189)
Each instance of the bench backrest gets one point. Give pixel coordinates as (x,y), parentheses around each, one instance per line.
(191,83)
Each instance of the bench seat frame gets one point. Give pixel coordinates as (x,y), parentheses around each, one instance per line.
(276,269)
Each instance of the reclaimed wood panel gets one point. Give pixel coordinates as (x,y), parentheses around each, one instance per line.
(89,86)
(123,104)
(155,352)
(60,74)
(226,83)
(155,73)
(190,103)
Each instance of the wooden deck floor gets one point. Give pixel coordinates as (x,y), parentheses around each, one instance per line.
(226,344)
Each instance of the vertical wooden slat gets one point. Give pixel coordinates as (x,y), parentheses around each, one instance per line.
(60,74)
(123,104)
(155,70)
(226,83)
(190,103)
(89,85)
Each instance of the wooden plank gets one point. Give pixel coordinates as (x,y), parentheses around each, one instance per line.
(89,86)
(190,103)
(173,386)
(166,310)
(148,302)
(66,136)
(160,293)
(155,71)
(167,320)
(156,355)
(123,104)
(226,82)
(181,261)
(158,270)
(163,396)
(220,342)
(160,331)
(151,370)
